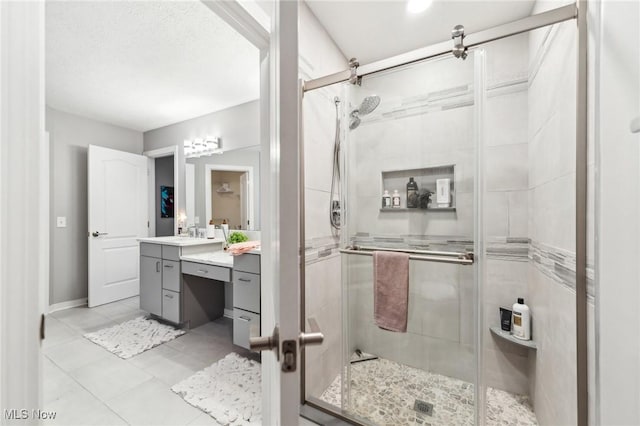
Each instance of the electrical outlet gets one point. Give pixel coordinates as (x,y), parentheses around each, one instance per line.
(61,222)
(196,220)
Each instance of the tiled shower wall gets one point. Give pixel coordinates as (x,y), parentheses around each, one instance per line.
(551,134)
(505,207)
(425,118)
(441,312)
(319,56)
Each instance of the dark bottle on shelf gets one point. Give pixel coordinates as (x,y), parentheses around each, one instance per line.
(412,194)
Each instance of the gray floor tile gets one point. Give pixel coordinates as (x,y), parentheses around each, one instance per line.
(153,403)
(75,354)
(56,384)
(82,408)
(109,377)
(57,332)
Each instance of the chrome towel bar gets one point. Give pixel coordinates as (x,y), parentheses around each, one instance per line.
(426,255)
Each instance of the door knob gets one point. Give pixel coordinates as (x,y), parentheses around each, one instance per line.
(289,347)
(97,234)
(267,343)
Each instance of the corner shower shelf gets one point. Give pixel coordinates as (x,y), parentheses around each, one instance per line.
(497,331)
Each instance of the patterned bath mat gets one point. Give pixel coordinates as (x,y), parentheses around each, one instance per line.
(133,337)
(229,391)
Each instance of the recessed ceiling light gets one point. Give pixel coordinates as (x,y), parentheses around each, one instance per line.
(418,6)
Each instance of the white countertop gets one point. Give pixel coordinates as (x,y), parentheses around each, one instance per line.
(216,258)
(181,241)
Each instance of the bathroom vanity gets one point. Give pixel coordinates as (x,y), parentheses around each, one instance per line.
(182,281)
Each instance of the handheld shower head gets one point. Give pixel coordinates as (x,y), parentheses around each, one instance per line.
(367,106)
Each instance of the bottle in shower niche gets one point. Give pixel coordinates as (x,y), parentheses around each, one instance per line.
(386,200)
(395,199)
(521,320)
(412,194)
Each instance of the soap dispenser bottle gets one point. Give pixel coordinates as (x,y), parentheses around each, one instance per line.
(412,194)
(395,199)
(521,320)
(386,200)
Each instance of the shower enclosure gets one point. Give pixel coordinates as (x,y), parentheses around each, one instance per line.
(490,142)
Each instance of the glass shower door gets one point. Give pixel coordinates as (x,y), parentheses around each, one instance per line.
(418,145)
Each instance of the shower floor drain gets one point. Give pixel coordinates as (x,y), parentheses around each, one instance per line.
(423,407)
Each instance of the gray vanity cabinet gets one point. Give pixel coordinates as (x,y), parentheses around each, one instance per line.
(160,281)
(246,298)
(150,276)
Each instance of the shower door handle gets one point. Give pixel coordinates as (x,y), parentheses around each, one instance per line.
(316,337)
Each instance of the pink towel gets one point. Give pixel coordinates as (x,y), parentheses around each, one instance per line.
(391,290)
(239,248)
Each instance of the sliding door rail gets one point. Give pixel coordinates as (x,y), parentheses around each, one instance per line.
(471,40)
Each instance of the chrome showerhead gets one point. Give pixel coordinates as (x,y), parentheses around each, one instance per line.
(367,106)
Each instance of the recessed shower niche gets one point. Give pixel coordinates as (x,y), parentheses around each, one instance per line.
(436,188)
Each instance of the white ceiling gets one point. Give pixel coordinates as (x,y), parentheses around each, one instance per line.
(373,30)
(144,65)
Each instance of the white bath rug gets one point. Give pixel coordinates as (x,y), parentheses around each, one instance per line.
(133,337)
(229,391)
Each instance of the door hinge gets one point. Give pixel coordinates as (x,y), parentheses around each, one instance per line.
(42,319)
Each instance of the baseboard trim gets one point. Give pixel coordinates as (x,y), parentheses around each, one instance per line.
(228,313)
(67,305)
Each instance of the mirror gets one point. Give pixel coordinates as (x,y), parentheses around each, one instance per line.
(224,186)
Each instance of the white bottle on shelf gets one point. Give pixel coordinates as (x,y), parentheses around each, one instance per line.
(386,200)
(395,199)
(521,320)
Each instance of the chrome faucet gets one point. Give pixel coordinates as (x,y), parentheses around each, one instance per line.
(226,238)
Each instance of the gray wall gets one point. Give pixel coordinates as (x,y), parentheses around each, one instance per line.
(244,157)
(238,127)
(164,177)
(70,135)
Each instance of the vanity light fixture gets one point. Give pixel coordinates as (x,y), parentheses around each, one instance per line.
(418,6)
(202,147)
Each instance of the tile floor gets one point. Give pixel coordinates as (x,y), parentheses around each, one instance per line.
(384,392)
(87,385)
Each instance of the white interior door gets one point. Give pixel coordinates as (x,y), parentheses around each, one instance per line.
(117,217)
(280,213)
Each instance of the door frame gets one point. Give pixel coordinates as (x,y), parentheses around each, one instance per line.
(208,168)
(24,163)
(151,176)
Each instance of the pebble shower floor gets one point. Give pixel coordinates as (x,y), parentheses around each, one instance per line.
(384,392)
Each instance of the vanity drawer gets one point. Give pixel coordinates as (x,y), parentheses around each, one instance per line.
(246,291)
(171,275)
(151,250)
(171,306)
(207,271)
(247,263)
(171,252)
(245,325)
